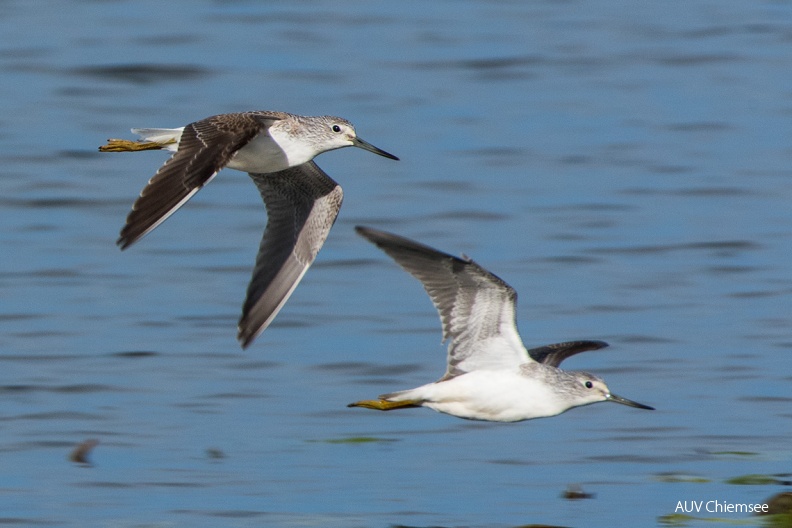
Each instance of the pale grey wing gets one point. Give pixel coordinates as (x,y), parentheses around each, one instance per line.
(205,147)
(302,205)
(477,308)
(553,355)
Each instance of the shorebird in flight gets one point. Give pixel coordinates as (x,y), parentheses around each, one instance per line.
(490,374)
(277,150)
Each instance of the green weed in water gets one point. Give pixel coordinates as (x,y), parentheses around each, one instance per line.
(781,520)
(355,440)
(680,519)
(752,480)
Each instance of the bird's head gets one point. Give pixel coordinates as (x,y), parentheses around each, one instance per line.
(341,133)
(593,389)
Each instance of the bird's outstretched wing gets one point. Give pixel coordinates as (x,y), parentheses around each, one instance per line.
(302,204)
(477,308)
(553,355)
(205,147)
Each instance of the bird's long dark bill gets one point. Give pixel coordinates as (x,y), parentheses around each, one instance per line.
(365,145)
(625,401)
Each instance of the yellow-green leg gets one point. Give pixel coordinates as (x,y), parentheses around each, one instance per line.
(126,145)
(385,405)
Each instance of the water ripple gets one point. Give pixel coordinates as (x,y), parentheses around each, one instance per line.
(144,73)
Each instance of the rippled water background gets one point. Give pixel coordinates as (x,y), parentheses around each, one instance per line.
(624,165)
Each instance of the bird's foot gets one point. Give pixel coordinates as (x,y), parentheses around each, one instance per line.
(126,145)
(385,405)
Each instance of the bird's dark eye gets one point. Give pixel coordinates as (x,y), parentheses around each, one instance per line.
(336,128)
(589,384)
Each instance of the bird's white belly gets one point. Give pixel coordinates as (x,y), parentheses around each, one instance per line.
(261,155)
(494,395)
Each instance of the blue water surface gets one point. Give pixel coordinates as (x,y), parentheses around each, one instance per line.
(624,165)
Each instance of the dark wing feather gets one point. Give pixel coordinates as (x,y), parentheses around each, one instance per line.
(302,205)
(553,355)
(477,308)
(205,147)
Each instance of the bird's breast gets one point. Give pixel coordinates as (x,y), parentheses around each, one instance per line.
(261,155)
(494,395)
